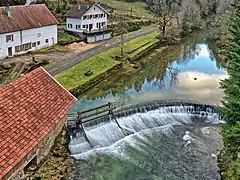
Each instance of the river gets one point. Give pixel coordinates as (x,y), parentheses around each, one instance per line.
(157,149)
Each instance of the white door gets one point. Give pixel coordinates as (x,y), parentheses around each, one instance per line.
(51,41)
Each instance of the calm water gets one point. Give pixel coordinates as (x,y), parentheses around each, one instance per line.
(156,150)
(154,81)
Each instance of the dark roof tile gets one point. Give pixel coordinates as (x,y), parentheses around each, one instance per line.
(75,12)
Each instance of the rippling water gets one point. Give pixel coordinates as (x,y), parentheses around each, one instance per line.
(156,149)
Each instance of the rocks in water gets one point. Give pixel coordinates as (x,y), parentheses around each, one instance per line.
(188,143)
(187,137)
(214,156)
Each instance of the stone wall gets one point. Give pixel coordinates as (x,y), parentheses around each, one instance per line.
(40,152)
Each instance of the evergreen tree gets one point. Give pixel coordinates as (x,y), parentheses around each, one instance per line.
(231,86)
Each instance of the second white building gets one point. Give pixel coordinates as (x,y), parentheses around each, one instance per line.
(90,20)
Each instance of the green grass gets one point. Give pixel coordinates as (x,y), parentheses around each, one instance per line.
(56,47)
(133,32)
(139,8)
(74,76)
(66,38)
(138,42)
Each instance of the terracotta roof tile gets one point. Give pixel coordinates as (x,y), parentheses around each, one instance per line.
(25,17)
(26,118)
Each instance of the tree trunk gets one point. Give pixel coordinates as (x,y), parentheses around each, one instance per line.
(122,43)
(164,29)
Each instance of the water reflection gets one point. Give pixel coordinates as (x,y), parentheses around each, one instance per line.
(198,79)
(205,89)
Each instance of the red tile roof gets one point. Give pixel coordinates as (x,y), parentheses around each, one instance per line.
(25,17)
(29,109)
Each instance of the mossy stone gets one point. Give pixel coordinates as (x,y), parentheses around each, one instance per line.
(6,66)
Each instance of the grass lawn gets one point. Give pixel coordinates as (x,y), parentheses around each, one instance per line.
(74,76)
(56,47)
(138,42)
(65,38)
(138,8)
(133,32)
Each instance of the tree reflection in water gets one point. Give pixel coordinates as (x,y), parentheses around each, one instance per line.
(156,71)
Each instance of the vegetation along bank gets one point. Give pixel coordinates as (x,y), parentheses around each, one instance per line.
(230,156)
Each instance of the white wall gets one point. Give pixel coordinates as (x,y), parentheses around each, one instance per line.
(92,11)
(74,22)
(29,36)
(4,45)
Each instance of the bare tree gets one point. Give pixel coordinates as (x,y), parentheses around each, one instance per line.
(123,26)
(165,10)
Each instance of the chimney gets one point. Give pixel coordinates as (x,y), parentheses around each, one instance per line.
(79,6)
(8,10)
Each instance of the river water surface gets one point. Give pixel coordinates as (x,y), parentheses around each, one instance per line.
(157,149)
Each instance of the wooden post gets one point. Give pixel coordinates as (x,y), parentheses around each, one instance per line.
(79,125)
(110,112)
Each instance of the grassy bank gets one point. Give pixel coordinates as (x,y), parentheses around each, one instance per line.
(65,38)
(229,159)
(138,8)
(74,77)
(58,164)
(57,47)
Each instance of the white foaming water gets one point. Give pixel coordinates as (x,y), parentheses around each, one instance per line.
(117,149)
(108,137)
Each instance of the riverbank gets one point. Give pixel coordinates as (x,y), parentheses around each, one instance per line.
(58,164)
(229,158)
(105,63)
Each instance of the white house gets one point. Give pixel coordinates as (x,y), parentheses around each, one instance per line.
(89,19)
(26,28)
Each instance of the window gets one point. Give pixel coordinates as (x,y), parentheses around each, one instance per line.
(38,43)
(91,16)
(9,38)
(96,16)
(101,15)
(38,34)
(46,40)
(84,17)
(87,26)
(17,49)
(104,15)
(70,26)
(34,44)
(78,26)
(103,23)
(27,46)
(83,26)
(99,25)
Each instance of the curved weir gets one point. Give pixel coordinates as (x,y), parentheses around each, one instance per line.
(134,119)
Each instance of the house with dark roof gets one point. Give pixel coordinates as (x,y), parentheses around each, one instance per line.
(33,110)
(89,20)
(26,28)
